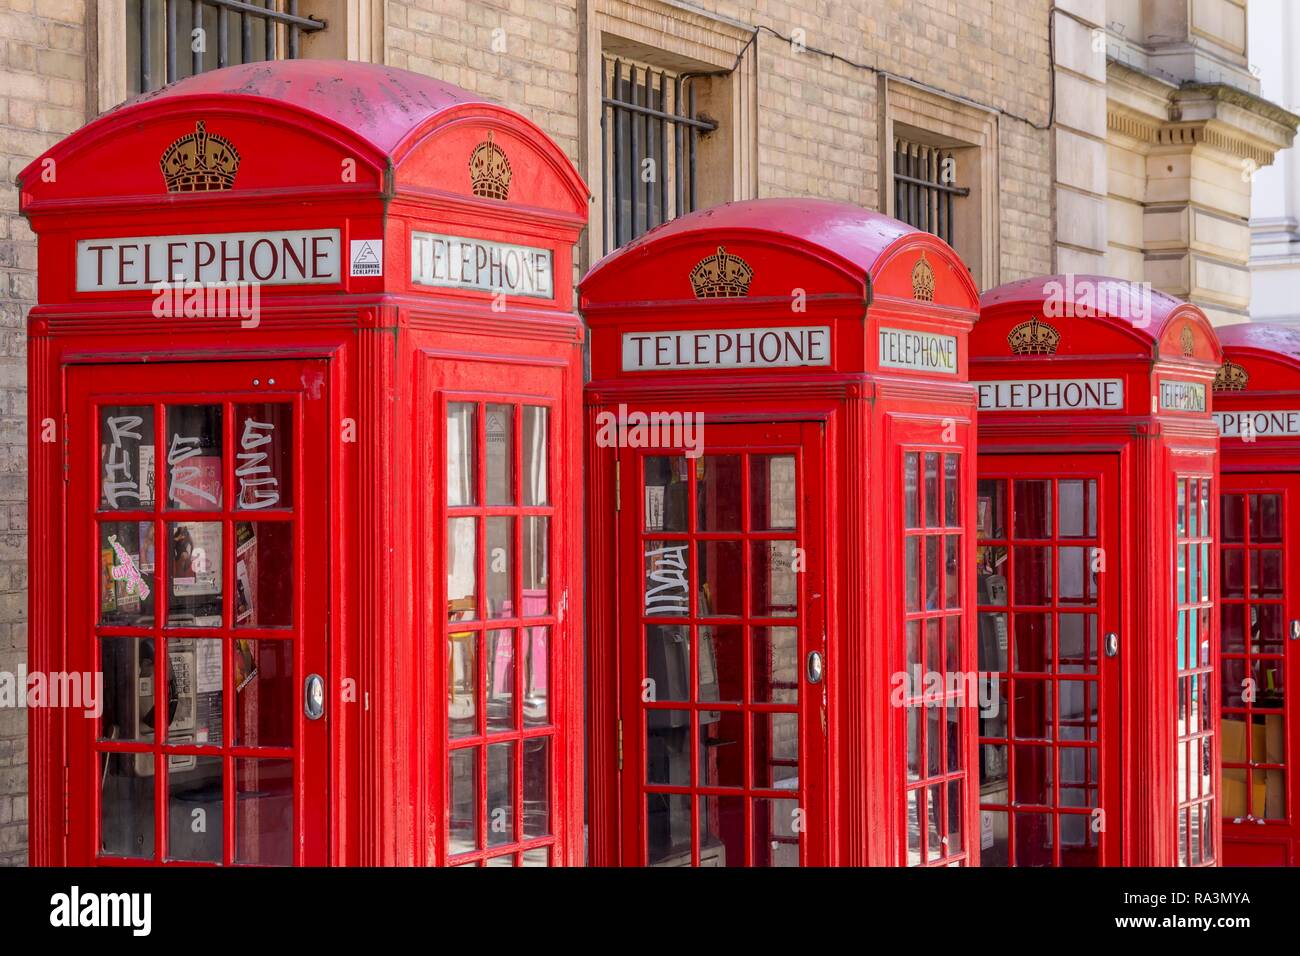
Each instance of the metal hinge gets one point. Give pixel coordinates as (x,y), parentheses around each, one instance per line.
(618,485)
(67,451)
(620,744)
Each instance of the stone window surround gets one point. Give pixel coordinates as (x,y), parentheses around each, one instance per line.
(920,114)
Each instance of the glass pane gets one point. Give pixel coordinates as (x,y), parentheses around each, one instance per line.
(718,492)
(667,663)
(1265,518)
(722,831)
(126,457)
(194,553)
(194,815)
(932,516)
(668,747)
(462,437)
(127,664)
(501,793)
(912,571)
(991,508)
(1032,712)
(537,566)
(776,843)
(1233,526)
(1033,650)
(775,583)
(127,577)
(462,698)
(194,457)
(951,571)
(951,490)
(535,481)
(722,748)
(1078,508)
(935,814)
(776,665)
(721,576)
(933,580)
(995,847)
(462,570)
(1033,775)
(500,561)
(1033,509)
(264,693)
(264,577)
(537,856)
(462,827)
(772,491)
(1033,575)
(537,787)
(1078,710)
(195,691)
(500,680)
(667,579)
(536,677)
(666,497)
(1266,573)
(911,486)
(500,427)
(992,642)
(263,456)
(776,751)
(914,827)
(1233,564)
(126,805)
(914,716)
(1077,643)
(668,829)
(1078,581)
(264,812)
(722,663)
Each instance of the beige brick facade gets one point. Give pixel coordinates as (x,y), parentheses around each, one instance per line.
(808,95)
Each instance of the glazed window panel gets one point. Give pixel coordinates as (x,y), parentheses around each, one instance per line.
(499,782)
(933,785)
(1252,662)
(1195,742)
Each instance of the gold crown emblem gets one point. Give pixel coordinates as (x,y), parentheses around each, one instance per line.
(200,162)
(1231,377)
(721,275)
(1033,338)
(489,170)
(922,280)
(1186,340)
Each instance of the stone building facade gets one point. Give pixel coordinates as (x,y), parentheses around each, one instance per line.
(1085,135)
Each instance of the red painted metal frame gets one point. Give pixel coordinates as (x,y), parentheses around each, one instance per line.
(814,263)
(1269,357)
(375,153)
(1142,347)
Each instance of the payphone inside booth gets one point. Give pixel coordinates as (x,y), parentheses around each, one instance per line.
(779,432)
(306,344)
(1257,409)
(1096,522)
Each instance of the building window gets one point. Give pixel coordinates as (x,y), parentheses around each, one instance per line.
(649,137)
(925,187)
(171,39)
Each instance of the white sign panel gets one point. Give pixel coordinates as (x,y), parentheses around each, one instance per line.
(918,351)
(727,348)
(1051,395)
(1275,423)
(1178,396)
(463,263)
(294,257)
(366,257)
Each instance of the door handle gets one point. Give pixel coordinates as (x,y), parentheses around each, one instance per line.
(1112,643)
(816,666)
(313,697)
(1295,630)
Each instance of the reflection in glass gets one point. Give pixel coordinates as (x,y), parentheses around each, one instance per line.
(500,680)
(1033,508)
(264,812)
(717,492)
(668,829)
(264,693)
(668,747)
(537,566)
(194,457)
(722,831)
(263,574)
(500,559)
(722,663)
(462,571)
(951,489)
(535,480)
(462,680)
(195,691)
(127,454)
(126,805)
(501,793)
(666,497)
(500,428)
(461,439)
(774,580)
(932,516)
(668,662)
(721,749)
(911,486)
(776,665)
(127,664)
(194,809)
(776,750)
(776,842)
(537,787)
(720,578)
(536,677)
(462,826)
(772,493)
(127,575)
(194,560)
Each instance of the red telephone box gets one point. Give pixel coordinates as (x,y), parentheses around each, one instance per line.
(1257,408)
(1095,526)
(765,578)
(305,376)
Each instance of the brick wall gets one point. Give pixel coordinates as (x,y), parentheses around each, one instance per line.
(42,99)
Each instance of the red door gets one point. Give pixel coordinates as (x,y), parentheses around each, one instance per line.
(197,535)
(1260,601)
(1048,597)
(723,700)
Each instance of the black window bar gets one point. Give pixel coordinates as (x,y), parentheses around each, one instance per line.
(252,37)
(646,115)
(922,195)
